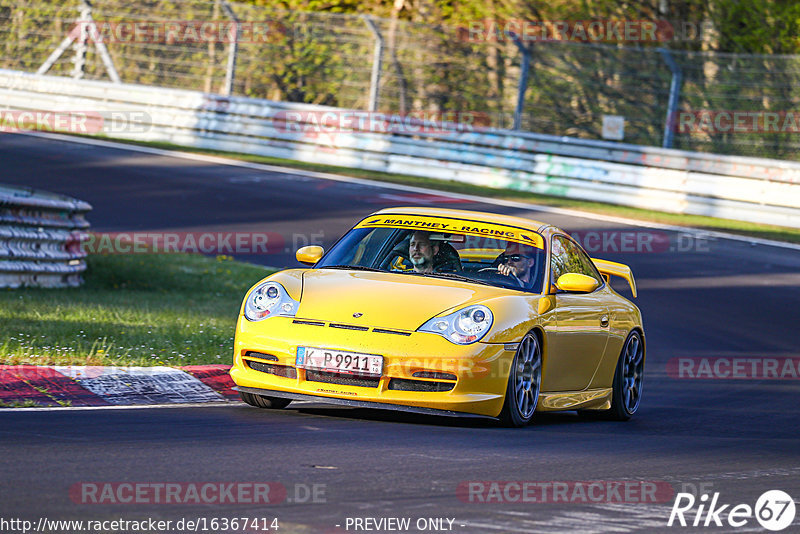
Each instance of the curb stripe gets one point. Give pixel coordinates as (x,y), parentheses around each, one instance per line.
(14,389)
(90,386)
(45,386)
(142,385)
(214,376)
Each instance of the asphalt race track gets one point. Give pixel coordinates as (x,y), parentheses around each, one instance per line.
(701,298)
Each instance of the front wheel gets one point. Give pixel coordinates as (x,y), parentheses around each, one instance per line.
(261,401)
(524,380)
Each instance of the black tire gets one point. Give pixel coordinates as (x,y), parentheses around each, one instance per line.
(627,385)
(524,383)
(262,401)
(628,379)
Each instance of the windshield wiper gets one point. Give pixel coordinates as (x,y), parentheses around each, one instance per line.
(354,268)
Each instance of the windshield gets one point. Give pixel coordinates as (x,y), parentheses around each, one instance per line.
(459,256)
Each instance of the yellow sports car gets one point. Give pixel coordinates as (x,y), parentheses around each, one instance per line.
(446,312)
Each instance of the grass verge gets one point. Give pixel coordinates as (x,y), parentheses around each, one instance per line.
(763,231)
(142,309)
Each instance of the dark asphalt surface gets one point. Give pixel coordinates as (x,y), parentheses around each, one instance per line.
(709,298)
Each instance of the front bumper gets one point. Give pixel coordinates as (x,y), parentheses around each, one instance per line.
(481,369)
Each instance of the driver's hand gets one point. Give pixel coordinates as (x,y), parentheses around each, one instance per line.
(504,269)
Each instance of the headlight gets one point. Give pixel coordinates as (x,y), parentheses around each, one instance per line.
(267,300)
(463,326)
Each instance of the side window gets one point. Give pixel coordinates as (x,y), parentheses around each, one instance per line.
(567,257)
(358,247)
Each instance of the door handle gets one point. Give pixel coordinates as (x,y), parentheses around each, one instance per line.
(604,321)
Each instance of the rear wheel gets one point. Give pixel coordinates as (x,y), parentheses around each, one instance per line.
(524,380)
(628,379)
(627,386)
(262,401)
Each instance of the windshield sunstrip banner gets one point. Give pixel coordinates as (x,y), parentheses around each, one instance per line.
(455,226)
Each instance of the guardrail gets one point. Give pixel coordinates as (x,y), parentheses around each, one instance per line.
(40,238)
(747,189)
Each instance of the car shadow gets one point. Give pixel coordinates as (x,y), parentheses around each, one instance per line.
(392,416)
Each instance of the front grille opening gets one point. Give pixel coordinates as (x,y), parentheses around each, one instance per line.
(261,355)
(348,326)
(284,371)
(436,375)
(310,323)
(405,384)
(345,380)
(385,331)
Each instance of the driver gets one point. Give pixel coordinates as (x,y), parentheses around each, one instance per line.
(421,251)
(517,261)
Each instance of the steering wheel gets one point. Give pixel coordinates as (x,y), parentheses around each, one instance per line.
(511,274)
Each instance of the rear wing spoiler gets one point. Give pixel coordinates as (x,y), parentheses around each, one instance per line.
(612,268)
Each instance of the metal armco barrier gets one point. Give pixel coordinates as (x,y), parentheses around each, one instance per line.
(746,189)
(40,238)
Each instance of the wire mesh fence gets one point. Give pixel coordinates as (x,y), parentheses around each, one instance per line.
(728,103)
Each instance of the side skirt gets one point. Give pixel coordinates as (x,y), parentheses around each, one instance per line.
(589,399)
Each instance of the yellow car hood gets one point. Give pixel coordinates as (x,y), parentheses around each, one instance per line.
(385,300)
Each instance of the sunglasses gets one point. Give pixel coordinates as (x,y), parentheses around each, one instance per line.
(514,257)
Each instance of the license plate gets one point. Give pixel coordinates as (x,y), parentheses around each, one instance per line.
(339,361)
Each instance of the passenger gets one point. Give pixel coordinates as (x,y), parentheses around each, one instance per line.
(517,261)
(421,252)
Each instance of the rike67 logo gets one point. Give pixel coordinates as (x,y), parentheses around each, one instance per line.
(774,510)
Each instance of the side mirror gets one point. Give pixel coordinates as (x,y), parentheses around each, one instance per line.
(577,283)
(310,254)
